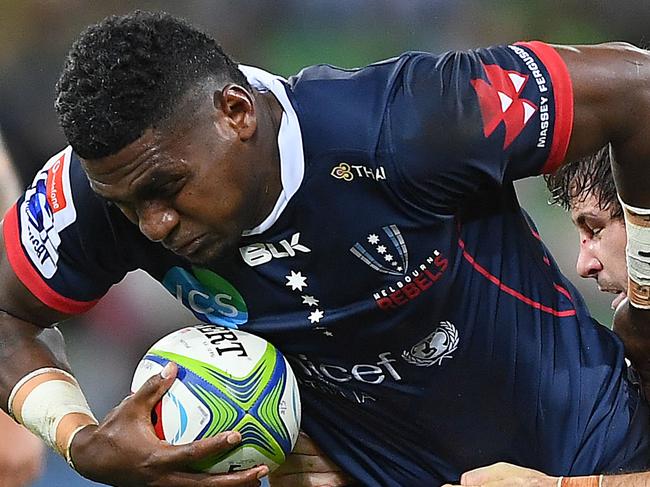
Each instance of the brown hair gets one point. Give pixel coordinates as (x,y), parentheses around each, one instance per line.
(575,181)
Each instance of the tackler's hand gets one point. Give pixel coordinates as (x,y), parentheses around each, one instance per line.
(308,466)
(505,475)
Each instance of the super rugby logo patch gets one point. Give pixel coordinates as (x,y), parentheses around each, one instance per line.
(45,211)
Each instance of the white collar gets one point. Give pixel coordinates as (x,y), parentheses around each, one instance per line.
(292,159)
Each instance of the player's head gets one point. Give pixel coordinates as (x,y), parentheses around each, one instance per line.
(587,189)
(128,73)
(167,127)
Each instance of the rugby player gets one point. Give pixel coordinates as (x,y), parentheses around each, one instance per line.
(586,188)
(365,222)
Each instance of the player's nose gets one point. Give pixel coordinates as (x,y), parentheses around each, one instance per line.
(156,220)
(588,264)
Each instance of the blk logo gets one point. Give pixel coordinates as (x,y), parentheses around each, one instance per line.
(500,102)
(261,253)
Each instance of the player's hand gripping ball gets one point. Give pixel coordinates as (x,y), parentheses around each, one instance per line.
(227,380)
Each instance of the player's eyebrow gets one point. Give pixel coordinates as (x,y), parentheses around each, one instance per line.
(145,186)
(148,184)
(582,216)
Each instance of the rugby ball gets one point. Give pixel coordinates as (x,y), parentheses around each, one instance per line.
(227,380)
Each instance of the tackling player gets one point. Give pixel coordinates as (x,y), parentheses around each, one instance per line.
(364,221)
(586,188)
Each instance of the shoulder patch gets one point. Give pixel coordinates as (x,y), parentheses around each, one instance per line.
(45,211)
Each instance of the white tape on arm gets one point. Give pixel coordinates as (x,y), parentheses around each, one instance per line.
(50,403)
(637,225)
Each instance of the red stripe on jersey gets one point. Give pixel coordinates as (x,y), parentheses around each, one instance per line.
(507,289)
(563,290)
(563,99)
(30,278)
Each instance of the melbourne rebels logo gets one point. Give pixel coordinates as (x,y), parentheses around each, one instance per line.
(435,347)
(386,253)
(500,102)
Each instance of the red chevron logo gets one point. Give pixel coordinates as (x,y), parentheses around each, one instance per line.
(500,102)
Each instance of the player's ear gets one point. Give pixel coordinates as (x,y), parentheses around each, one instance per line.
(238,105)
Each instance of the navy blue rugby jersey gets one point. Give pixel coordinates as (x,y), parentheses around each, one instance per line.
(430,329)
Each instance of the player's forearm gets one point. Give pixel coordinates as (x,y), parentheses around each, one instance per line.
(641,479)
(25,347)
(36,387)
(632,326)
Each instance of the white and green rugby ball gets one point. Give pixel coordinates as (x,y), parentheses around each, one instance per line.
(227,380)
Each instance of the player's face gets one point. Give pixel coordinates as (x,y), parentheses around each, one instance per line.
(194,187)
(602,247)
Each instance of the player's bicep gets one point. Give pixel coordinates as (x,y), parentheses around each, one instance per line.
(60,241)
(17,300)
(610,94)
(612,98)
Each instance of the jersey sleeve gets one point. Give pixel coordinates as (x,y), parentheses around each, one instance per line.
(462,121)
(61,239)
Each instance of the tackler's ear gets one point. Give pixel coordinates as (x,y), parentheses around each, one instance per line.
(238,105)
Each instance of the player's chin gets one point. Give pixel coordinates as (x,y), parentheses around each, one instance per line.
(213,252)
(618,299)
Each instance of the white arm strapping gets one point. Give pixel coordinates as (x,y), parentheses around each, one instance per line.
(637,225)
(47,404)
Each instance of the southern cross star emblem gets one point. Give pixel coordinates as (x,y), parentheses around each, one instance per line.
(296,281)
(315,316)
(309,300)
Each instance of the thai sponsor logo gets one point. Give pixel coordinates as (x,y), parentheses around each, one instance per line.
(348,172)
(435,347)
(261,253)
(209,296)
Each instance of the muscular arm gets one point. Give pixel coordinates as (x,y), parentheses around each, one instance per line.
(26,342)
(123,449)
(611,85)
(507,475)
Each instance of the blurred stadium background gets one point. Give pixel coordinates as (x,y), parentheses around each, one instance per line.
(281,36)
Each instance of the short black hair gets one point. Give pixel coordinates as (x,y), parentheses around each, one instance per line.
(589,176)
(127,73)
